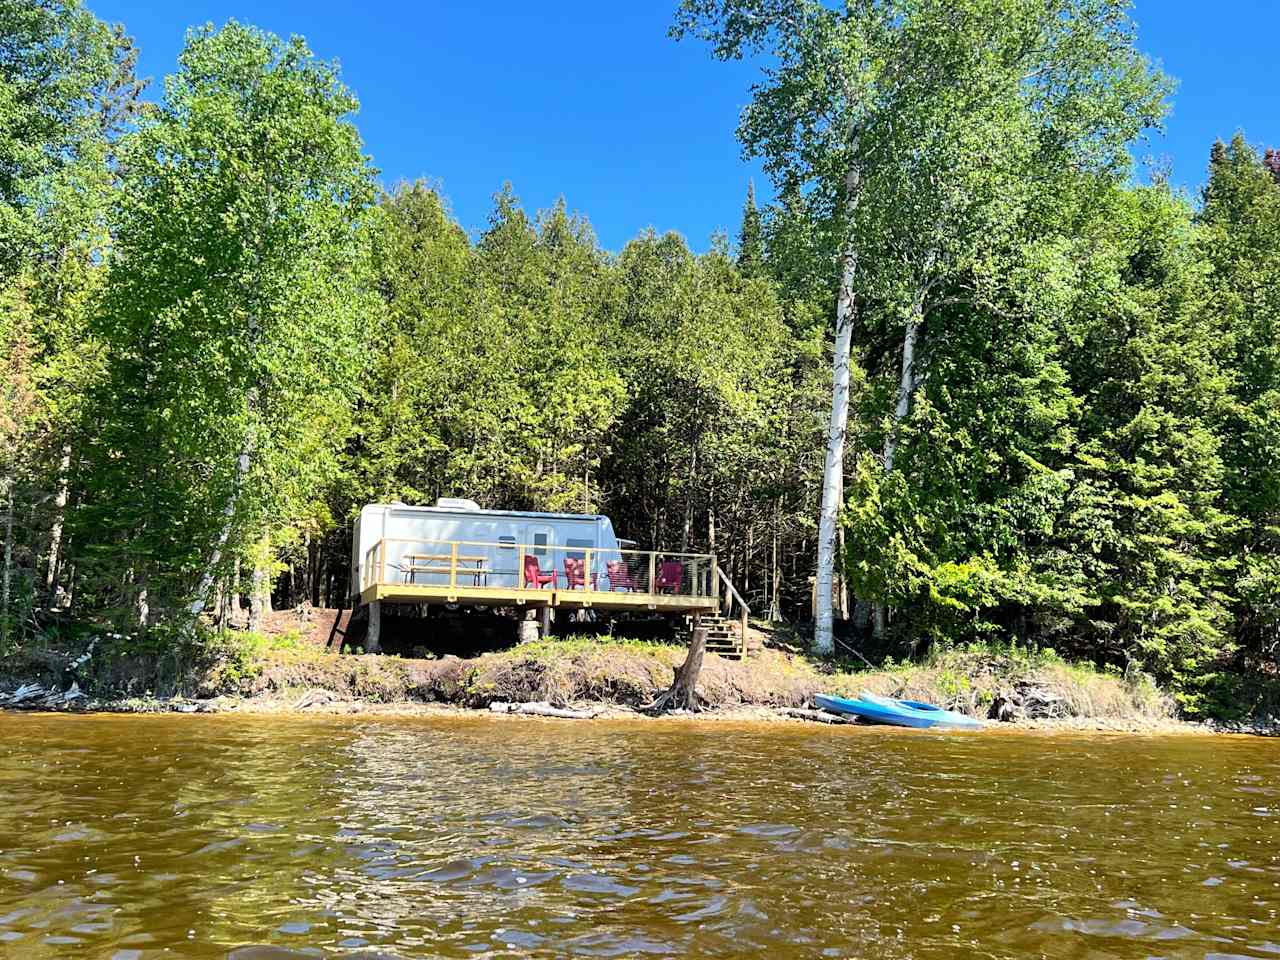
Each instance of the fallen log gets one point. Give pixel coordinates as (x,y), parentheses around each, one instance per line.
(25,693)
(543,709)
(315,697)
(817,716)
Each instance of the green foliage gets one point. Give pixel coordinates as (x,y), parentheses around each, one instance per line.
(233,315)
(66,86)
(751,252)
(1239,242)
(219,341)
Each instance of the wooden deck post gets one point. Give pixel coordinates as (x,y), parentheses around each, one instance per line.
(374,641)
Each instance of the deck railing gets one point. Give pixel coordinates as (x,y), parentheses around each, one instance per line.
(476,566)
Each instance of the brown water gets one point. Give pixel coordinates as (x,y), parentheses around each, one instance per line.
(139,837)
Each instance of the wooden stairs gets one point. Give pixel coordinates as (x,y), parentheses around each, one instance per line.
(724,637)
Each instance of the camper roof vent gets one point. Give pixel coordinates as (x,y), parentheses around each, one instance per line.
(456,503)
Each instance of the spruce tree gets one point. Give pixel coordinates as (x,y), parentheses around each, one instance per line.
(751,256)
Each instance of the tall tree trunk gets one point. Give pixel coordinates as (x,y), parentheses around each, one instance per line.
(833,471)
(268,592)
(6,591)
(688,498)
(143,605)
(237,608)
(711,523)
(906,386)
(255,601)
(228,516)
(53,587)
(775,610)
(259,595)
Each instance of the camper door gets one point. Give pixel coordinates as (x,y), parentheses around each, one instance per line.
(541,538)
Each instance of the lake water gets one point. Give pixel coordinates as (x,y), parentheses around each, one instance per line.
(222,836)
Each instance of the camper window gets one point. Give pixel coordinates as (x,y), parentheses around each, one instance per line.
(506,543)
(578,554)
(540,544)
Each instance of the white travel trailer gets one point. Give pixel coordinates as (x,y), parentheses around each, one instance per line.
(514,562)
(419,545)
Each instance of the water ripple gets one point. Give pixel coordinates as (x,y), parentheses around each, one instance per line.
(126,837)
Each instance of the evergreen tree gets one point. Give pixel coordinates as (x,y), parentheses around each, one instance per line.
(751,236)
(1240,241)
(66,89)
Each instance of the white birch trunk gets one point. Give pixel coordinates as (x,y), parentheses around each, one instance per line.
(228,516)
(6,592)
(906,386)
(237,608)
(255,600)
(711,524)
(775,608)
(833,473)
(52,582)
(144,606)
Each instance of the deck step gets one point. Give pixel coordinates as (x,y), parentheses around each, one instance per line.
(722,636)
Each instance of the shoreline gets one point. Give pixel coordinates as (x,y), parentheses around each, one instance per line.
(590,678)
(229,706)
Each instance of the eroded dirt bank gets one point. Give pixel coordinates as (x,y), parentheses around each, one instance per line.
(605,678)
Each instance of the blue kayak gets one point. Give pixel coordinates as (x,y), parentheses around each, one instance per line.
(899,713)
(945,718)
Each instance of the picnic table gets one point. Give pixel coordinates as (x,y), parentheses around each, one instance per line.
(441,563)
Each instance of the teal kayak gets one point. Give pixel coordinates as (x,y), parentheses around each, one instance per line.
(945,718)
(898,713)
(876,712)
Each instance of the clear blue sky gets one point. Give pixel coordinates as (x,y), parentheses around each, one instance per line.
(593,101)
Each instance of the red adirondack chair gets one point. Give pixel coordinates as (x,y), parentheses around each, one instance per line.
(670,576)
(620,576)
(534,577)
(574,573)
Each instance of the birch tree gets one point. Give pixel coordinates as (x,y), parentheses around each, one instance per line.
(871,107)
(233,307)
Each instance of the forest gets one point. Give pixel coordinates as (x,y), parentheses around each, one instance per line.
(1014,387)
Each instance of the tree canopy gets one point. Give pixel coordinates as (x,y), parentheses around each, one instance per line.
(1010,394)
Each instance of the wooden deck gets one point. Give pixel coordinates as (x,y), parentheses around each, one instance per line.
(497,575)
(469,594)
(544,577)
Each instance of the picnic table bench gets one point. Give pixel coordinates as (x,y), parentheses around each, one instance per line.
(441,563)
